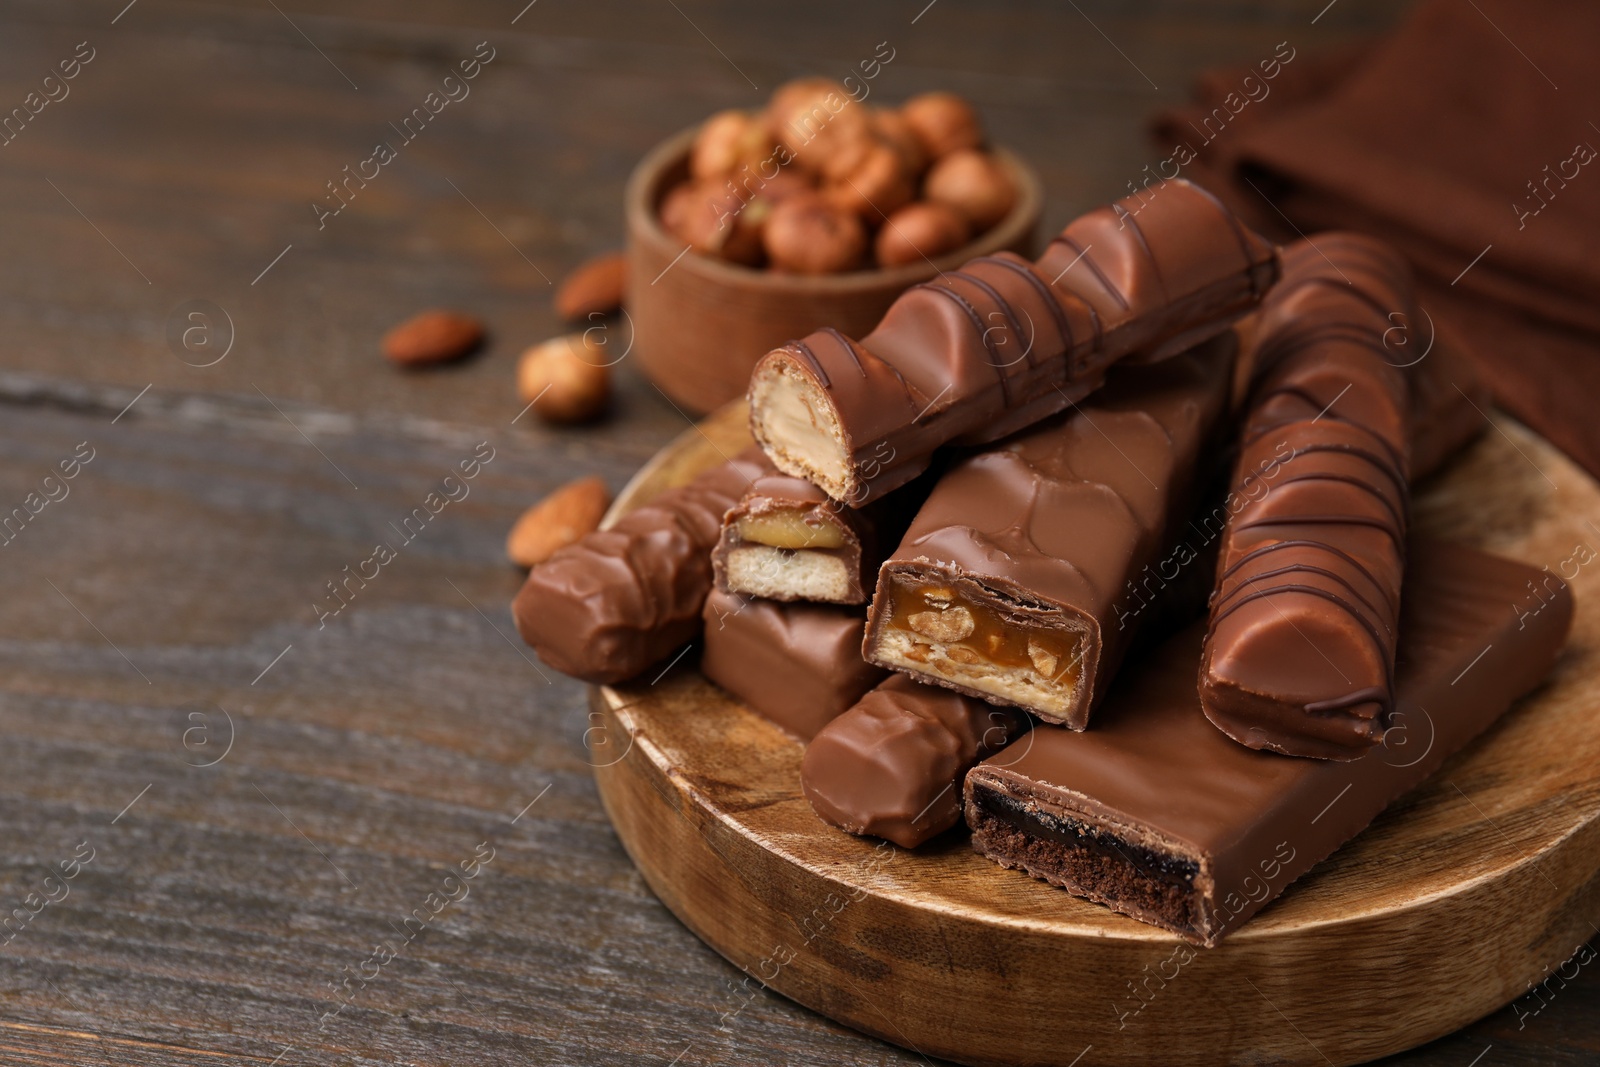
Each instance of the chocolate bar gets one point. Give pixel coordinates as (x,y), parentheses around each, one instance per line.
(1006,587)
(623,598)
(980,353)
(798,665)
(788,540)
(1449,404)
(1300,653)
(1163,818)
(892,766)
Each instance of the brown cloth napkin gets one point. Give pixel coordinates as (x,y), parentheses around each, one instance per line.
(1467,138)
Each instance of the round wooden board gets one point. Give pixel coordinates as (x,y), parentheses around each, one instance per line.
(1446,908)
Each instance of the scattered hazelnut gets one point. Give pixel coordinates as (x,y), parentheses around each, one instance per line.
(565,379)
(807,235)
(926,229)
(594,287)
(879,185)
(432,336)
(943,122)
(557,521)
(974,184)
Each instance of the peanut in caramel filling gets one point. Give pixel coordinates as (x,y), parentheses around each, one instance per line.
(973,633)
(791,528)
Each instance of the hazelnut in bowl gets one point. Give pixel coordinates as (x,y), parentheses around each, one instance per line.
(756,228)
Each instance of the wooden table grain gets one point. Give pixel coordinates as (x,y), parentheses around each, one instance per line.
(241,826)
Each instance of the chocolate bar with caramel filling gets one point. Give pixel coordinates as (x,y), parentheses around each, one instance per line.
(892,766)
(798,665)
(1300,654)
(625,597)
(985,351)
(1162,817)
(788,540)
(1007,585)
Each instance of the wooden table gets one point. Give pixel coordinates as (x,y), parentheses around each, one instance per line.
(252,792)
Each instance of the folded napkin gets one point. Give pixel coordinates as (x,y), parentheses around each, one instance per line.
(1468,139)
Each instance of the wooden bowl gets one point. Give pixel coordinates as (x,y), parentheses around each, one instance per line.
(1468,890)
(700,323)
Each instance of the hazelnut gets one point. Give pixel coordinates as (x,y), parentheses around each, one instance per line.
(891,126)
(565,379)
(820,125)
(727,141)
(879,185)
(807,235)
(943,122)
(560,519)
(706,215)
(926,229)
(974,184)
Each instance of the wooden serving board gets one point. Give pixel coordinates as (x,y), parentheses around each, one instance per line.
(1447,907)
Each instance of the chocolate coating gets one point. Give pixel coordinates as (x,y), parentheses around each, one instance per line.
(1300,654)
(622,598)
(1163,818)
(1045,532)
(798,665)
(985,351)
(892,765)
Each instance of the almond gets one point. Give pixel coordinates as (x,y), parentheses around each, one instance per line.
(557,521)
(594,287)
(566,380)
(433,337)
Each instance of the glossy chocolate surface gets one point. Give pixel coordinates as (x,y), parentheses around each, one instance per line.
(1300,654)
(980,353)
(892,766)
(798,665)
(622,599)
(1154,776)
(1048,529)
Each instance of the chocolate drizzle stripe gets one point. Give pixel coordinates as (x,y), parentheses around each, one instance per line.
(1395,537)
(803,350)
(844,342)
(1003,306)
(1390,465)
(983,335)
(1352,480)
(1238,233)
(1051,301)
(1094,268)
(1378,641)
(1298,542)
(1132,222)
(1224,594)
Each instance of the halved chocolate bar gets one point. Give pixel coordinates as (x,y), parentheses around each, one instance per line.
(1007,586)
(985,351)
(1162,817)
(788,540)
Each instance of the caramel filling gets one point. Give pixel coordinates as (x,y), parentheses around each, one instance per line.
(791,528)
(973,633)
